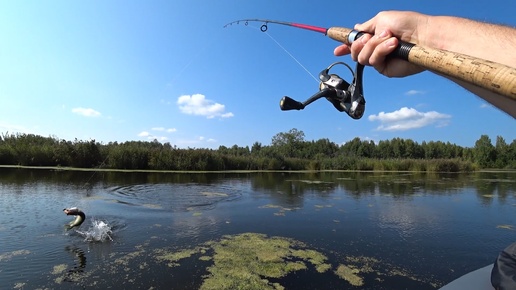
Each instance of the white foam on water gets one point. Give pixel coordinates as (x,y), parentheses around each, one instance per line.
(99,231)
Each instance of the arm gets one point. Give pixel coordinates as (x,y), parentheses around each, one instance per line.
(483,40)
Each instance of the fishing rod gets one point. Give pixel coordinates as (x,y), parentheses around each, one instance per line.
(492,76)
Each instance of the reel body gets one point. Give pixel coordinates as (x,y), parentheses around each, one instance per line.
(344,96)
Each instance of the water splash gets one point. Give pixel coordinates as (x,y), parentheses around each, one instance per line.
(99,231)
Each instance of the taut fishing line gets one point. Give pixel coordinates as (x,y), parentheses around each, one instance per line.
(263,28)
(192,59)
(494,77)
(295,59)
(344,96)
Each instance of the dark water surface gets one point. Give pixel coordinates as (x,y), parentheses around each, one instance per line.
(393,230)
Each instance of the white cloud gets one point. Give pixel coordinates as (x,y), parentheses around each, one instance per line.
(198,105)
(195,142)
(408,118)
(147,135)
(87,112)
(414,92)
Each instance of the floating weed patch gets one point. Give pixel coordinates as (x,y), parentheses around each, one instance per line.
(357,266)
(247,261)
(9,255)
(243,261)
(270,206)
(173,258)
(507,227)
(281,209)
(58,269)
(319,206)
(349,274)
(252,260)
(214,194)
(153,206)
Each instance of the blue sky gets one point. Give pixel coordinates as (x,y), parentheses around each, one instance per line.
(168,70)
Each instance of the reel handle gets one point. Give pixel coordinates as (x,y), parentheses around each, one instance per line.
(287,104)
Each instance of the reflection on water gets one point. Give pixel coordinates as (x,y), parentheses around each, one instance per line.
(295,230)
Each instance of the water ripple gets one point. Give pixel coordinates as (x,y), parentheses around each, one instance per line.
(175,197)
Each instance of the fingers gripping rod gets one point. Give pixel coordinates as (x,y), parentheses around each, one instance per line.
(495,77)
(492,76)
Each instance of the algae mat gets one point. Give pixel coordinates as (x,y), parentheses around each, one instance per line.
(242,261)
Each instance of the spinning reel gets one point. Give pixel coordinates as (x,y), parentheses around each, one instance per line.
(343,96)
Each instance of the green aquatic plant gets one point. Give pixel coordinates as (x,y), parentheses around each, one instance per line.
(173,258)
(9,255)
(242,261)
(249,260)
(349,274)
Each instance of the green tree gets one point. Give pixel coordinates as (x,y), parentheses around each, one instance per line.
(289,143)
(484,152)
(502,152)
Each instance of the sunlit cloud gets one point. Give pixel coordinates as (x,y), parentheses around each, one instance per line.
(484,105)
(151,137)
(87,112)
(414,92)
(409,118)
(196,142)
(198,105)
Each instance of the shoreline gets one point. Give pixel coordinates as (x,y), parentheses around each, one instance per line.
(59,168)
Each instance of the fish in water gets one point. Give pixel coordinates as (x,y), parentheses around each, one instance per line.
(80,217)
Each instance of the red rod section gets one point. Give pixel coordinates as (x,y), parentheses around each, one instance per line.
(309,27)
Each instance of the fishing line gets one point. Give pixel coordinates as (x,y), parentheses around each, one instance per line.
(264,30)
(179,74)
(192,59)
(494,77)
(295,59)
(95,172)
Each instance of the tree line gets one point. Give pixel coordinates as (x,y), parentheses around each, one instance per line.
(287,151)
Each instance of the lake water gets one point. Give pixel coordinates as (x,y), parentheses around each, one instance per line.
(334,230)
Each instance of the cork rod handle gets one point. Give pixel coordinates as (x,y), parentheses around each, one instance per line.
(495,77)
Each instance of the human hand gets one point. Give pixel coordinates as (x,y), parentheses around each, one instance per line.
(384,30)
